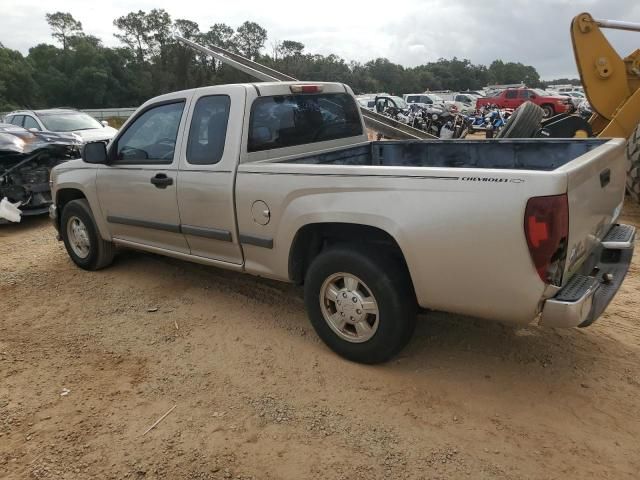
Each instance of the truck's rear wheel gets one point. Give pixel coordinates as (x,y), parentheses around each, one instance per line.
(81,238)
(360,303)
(524,122)
(633,168)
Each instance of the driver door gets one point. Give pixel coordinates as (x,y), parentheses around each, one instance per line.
(137,188)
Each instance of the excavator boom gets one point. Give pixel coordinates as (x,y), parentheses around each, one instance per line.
(611,83)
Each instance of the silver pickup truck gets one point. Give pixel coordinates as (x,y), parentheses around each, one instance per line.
(279,180)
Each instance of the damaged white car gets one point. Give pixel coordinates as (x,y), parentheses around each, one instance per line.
(26,159)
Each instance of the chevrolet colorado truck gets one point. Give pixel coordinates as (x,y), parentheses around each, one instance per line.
(514,97)
(279,180)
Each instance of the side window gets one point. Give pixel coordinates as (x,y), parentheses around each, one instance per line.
(151,138)
(208,130)
(524,93)
(29,122)
(512,94)
(17,120)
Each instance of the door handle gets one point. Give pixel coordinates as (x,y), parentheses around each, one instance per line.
(160,180)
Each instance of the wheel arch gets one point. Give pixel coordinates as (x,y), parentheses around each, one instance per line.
(312,238)
(64,196)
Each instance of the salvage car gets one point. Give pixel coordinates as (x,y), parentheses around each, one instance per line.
(514,97)
(63,120)
(26,160)
(279,180)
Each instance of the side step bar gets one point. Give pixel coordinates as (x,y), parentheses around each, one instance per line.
(385,125)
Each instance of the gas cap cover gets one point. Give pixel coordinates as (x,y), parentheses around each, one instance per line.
(260,212)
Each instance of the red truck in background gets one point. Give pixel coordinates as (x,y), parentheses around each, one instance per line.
(514,97)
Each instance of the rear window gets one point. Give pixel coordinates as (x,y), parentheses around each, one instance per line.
(289,120)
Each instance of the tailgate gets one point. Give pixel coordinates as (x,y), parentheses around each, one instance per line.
(595,190)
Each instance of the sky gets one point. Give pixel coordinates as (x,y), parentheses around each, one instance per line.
(409,32)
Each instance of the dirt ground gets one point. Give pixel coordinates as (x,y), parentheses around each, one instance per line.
(89,361)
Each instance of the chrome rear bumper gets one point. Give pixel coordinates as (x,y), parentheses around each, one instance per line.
(588,293)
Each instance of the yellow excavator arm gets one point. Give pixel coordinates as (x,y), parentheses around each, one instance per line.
(611,83)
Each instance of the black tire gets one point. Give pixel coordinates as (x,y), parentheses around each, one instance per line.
(633,168)
(100,252)
(387,281)
(548,110)
(524,122)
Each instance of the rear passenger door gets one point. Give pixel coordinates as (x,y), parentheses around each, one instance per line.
(208,161)
(511,99)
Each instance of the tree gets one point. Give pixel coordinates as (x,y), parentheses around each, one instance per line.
(135,32)
(219,35)
(250,38)
(158,23)
(290,48)
(186,28)
(63,26)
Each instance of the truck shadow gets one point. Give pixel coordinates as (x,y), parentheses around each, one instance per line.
(462,346)
(26,224)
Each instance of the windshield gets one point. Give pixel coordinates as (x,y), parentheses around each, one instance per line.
(68,121)
(542,93)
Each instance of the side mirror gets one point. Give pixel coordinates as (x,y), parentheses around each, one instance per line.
(94,152)
(104,123)
(532,96)
(33,129)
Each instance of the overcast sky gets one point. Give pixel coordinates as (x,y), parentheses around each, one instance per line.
(409,32)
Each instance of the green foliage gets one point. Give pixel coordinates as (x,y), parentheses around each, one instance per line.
(86,74)
(249,39)
(63,26)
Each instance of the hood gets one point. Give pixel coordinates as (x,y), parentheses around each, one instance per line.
(19,141)
(96,134)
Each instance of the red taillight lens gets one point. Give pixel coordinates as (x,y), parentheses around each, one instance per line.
(306,88)
(546,226)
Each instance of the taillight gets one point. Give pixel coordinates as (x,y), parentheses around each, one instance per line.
(546,226)
(306,88)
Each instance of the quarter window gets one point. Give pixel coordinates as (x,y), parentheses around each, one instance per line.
(17,120)
(208,130)
(151,138)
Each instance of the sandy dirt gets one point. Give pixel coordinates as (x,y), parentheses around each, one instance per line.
(89,361)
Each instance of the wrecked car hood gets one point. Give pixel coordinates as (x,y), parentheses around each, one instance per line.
(19,141)
(97,134)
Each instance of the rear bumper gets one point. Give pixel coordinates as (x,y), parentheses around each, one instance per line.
(588,293)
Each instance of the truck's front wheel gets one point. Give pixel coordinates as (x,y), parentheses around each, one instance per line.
(363,309)
(633,168)
(81,238)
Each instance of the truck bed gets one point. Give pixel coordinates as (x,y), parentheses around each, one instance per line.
(513,154)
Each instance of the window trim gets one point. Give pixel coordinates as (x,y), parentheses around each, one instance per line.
(113,149)
(255,102)
(226,130)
